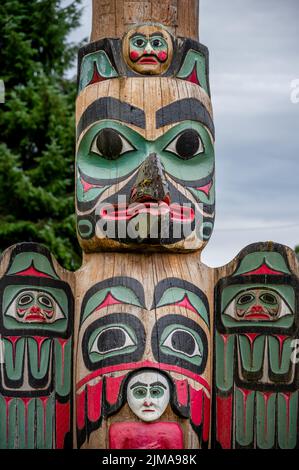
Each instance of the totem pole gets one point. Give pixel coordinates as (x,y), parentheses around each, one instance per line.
(145,347)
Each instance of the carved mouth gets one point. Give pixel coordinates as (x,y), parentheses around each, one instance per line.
(258,316)
(148,60)
(176,212)
(36,318)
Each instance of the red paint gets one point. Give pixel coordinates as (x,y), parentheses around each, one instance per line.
(251,337)
(94,401)
(281,339)
(193,78)
(224,417)
(44,401)
(63,343)
(63,422)
(32,271)
(182,392)
(287,397)
(162,56)
(39,340)
(26,402)
(132,435)
(266,397)
(206,189)
(112,388)
(96,77)
(7,404)
(134,56)
(245,394)
(133,366)
(88,186)
(156,209)
(109,300)
(148,60)
(263,269)
(196,406)
(206,417)
(80,408)
(186,304)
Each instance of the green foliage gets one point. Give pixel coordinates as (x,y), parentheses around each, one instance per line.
(37,126)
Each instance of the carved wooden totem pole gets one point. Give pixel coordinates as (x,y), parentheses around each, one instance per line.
(145,347)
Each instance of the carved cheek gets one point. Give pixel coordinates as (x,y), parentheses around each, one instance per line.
(134,55)
(162,56)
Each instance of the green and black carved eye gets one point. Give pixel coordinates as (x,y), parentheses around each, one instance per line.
(268,298)
(112,339)
(139,42)
(186,145)
(110,144)
(246,299)
(115,339)
(45,301)
(25,299)
(181,342)
(184,342)
(157,43)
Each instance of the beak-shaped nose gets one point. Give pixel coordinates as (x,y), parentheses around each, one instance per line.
(151,184)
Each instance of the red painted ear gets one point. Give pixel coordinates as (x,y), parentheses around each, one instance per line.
(96,76)
(193,78)
(113,385)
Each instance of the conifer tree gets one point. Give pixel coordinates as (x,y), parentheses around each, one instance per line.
(37,130)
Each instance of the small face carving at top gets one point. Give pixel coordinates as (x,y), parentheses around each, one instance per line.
(148,49)
(148,395)
(258,304)
(35,307)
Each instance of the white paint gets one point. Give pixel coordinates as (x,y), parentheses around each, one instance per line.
(148,395)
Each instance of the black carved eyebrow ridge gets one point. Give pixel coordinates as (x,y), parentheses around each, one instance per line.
(187,109)
(111,108)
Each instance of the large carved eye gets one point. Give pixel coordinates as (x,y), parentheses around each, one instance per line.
(139,42)
(109,340)
(45,301)
(158,42)
(110,144)
(25,300)
(268,298)
(186,145)
(245,299)
(184,342)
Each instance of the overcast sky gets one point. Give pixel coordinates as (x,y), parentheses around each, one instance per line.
(254,57)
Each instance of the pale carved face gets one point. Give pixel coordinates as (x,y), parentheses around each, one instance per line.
(148,395)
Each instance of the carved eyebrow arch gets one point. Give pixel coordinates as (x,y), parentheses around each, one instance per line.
(135,35)
(138,384)
(111,108)
(157,34)
(187,109)
(155,384)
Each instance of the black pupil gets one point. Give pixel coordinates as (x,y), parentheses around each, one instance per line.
(188,144)
(184,342)
(156,43)
(109,144)
(269,299)
(245,299)
(111,339)
(25,300)
(140,42)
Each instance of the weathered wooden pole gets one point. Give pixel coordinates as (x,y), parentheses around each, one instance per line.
(145,184)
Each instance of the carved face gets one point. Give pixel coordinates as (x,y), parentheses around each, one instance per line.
(35,306)
(148,49)
(145,168)
(115,340)
(148,395)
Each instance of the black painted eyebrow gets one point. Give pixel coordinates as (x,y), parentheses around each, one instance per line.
(138,384)
(155,384)
(111,108)
(188,109)
(135,35)
(157,34)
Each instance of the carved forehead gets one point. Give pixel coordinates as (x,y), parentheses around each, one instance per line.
(148,30)
(159,92)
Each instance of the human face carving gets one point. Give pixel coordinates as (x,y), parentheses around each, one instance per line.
(148,395)
(148,49)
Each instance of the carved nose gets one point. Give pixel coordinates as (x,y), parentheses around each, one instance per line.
(257,309)
(34,309)
(151,184)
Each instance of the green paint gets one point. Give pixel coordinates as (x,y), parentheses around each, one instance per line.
(287,421)
(175,295)
(3,441)
(14,369)
(122,294)
(98,167)
(23,261)
(90,195)
(196,358)
(253,261)
(265,421)
(103,64)
(63,375)
(12,441)
(204,198)
(195,59)
(244,419)
(283,366)
(131,342)
(39,371)
(225,362)
(252,357)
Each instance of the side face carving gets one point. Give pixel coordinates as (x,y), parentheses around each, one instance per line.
(148,49)
(145,147)
(255,375)
(36,349)
(145,362)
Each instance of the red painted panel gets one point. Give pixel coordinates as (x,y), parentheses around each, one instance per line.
(94,401)
(224,421)
(81,409)
(131,435)
(63,422)
(196,404)
(182,391)
(112,388)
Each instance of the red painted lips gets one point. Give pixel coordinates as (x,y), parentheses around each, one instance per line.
(176,212)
